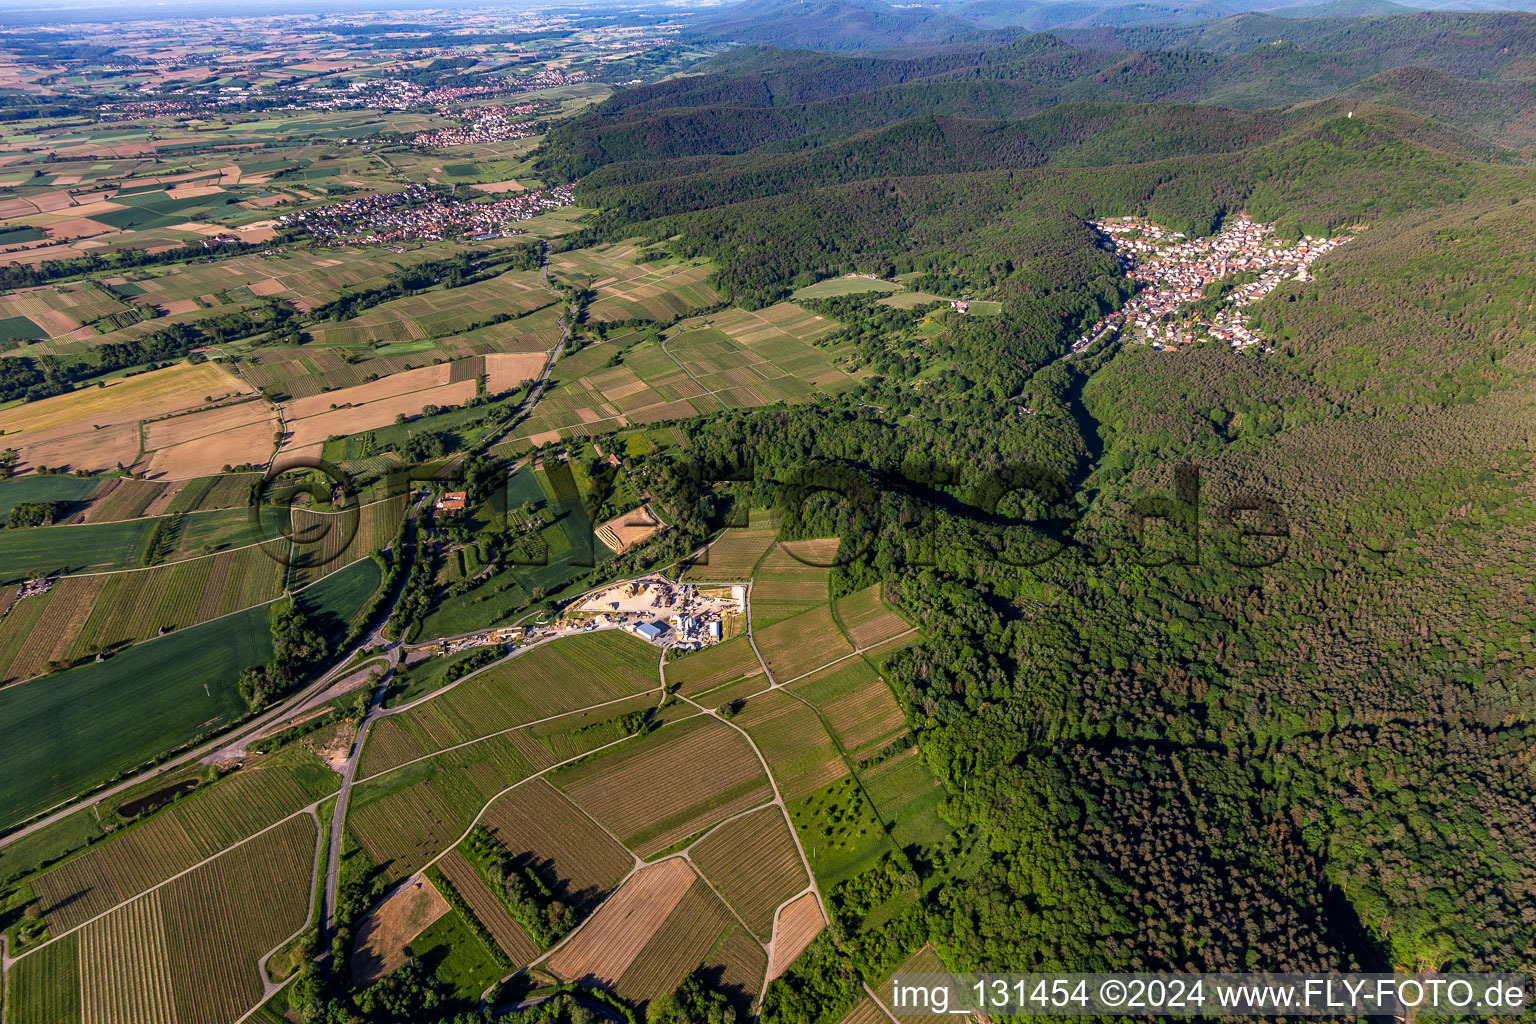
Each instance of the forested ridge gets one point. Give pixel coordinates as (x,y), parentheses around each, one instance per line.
(1168,747)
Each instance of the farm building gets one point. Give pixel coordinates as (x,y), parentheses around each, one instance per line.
(453,502)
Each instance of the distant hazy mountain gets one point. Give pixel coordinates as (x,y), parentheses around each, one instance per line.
(1343,9)
(831,25)
(842,25)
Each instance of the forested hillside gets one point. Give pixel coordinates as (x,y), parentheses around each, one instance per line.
(1188,747)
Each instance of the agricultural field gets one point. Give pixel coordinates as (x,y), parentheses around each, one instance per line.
(421,673)
(95,720)
(23,855)
(405,818)
(731,556)
(463,964)
(73,493)
(907,796)
(532,333)
(857,704)
(754,864)
(84,615)
(487,908)
(98,428)
(53,550)
(630,288)
(194,444)
(924,961)
(661,924)
(438,314)
(204,533)
(212,493)
(187,950)
(792,578)
(796,646)
(310,421)
(384,936)
(580,732)
(865,1011)
(733,359)
(699,672)
(123,499)
(853,284)
(324,542)
(740,964)
(682,942)
(66,312)
(651,792)
(798,925)
(839,830)
(45,987)
(800,754)
(552,679)
(543,830)
(307,278)
(190,830)
(868,619)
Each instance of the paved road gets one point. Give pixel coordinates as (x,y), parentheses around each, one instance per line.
(339,815)
(376,711)
(374,642)
(243,732)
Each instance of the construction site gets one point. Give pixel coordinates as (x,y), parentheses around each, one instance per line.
(664,613)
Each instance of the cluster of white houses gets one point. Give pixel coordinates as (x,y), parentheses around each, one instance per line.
(1174,271)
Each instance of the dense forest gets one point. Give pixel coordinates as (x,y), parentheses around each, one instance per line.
(1184,742)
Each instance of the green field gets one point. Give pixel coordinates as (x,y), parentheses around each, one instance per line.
(457,958)
(55,550)
(335,602)
(57,839)
(20,328)
(211,531)
(425,677)
(845,286)
(68,489)
(14,236)
(838,830)
(96,721)
(908,796)
(45,988)
(91,723)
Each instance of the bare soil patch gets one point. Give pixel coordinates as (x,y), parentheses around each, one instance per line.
(506,370)
(633,527)
(385,935)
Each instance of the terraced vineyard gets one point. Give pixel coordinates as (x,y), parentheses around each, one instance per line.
(868,619)
(650,793)
(487,908)
(857,704)
(701,671)
(173,840)
(802,757)
(795,646)
(731,556)
(754,863)
(539,825)
(45,987)
(185,951)
(553,679)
